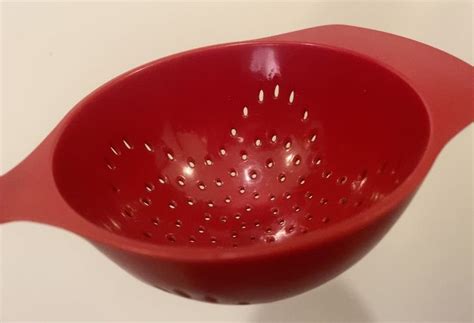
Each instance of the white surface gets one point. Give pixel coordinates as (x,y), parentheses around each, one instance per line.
(56,53)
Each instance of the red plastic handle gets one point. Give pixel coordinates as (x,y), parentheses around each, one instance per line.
(444,82)
(28,191)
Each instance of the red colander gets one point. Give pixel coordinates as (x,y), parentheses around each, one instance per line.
(252,171)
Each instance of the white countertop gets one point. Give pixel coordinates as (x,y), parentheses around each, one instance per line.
(53,54)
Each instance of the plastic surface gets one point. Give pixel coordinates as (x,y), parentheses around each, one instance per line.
(252,171)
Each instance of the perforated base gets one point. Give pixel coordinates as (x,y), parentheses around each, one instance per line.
(249,144)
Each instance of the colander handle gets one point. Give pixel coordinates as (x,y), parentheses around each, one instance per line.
(444,82)
(28,192)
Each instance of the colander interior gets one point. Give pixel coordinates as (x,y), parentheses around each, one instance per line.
(240,145)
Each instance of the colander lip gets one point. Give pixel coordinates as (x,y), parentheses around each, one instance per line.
(397,199)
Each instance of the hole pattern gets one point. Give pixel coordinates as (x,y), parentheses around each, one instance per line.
(305,115)
(111,166)
(191,162)
(180,181)
(297,160)
(145,201)
(172,205)
(115,151)
(291,98)
(208,161)
(277,176)
(326,174)
(269,163)
(148,147)
(342,180)
(169,155)
(149,187)
(170,237)
(276,91)
(253,174)
(127,144)
(245,112)
(162,180)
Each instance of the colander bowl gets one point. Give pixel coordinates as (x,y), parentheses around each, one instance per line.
(252,171)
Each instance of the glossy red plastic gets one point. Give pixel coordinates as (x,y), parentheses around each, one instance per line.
(252,171)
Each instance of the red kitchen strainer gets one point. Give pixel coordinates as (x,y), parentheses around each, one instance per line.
(251,171)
